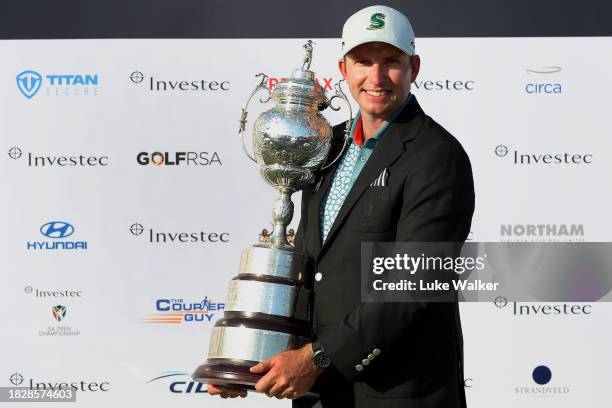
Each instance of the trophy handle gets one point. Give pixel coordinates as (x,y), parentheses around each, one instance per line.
(347,130)
(243,116)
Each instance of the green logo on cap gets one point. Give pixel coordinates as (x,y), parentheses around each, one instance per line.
(377,21)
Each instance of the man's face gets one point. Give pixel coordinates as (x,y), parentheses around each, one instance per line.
(379,77)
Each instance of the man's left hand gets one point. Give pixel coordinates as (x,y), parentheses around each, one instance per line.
(289,374)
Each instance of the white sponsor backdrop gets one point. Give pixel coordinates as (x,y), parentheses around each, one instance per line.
(122,275)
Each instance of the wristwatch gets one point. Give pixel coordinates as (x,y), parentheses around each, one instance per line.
(319,358)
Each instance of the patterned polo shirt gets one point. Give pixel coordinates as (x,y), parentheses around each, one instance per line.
(348,170)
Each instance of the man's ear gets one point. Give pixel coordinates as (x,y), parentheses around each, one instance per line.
(415,65)
(342,67)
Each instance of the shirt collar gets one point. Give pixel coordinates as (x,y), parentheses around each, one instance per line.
(357,127)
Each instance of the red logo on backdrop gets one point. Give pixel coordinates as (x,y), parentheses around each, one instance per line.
(326,83)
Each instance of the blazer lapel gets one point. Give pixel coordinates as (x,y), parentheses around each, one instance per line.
(390,147)
(313,237)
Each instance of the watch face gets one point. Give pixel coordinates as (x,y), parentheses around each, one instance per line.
(321,360)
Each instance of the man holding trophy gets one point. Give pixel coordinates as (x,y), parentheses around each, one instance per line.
(399,177)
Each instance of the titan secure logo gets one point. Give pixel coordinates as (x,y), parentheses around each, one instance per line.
(57,229)
(377,21)
(59,312)
(29,83)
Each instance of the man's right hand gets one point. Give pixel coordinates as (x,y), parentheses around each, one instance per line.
(226,392)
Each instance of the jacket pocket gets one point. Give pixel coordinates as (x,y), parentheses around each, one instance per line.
(372,212)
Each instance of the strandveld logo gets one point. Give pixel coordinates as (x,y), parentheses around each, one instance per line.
(177,311)
(59,312)
(377,21)
(30,82)
(542,375)
(56,230)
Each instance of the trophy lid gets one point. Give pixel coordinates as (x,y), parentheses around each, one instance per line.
(300,89)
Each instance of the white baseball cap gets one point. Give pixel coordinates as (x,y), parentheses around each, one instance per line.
(378,24)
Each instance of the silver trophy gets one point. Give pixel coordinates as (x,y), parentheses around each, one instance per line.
(268,306)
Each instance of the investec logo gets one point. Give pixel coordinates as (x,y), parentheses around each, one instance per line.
(37,160)
(542,232)
(57,231)
(179,85)
(543,159)
(544,309)
(157,237)
(177,311)
(158,159)
(445,85)
(30,82)
(76,385)
(543,80)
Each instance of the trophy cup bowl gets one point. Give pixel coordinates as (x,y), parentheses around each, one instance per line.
(268,306)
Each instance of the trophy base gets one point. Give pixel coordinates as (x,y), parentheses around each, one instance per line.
(227,373)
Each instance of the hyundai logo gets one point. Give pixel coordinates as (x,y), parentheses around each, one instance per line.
(29,83)
(57,229)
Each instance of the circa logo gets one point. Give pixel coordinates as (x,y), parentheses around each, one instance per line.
(157,85)
(137,229)
(34,160)
(56,230)
(522,158)
(29,83)
(445,85)
(158,159)
(543,87)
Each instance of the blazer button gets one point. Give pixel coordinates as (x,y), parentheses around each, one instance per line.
(318,276)
(365,362)
(371,357)
(376,352)
(359,367)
